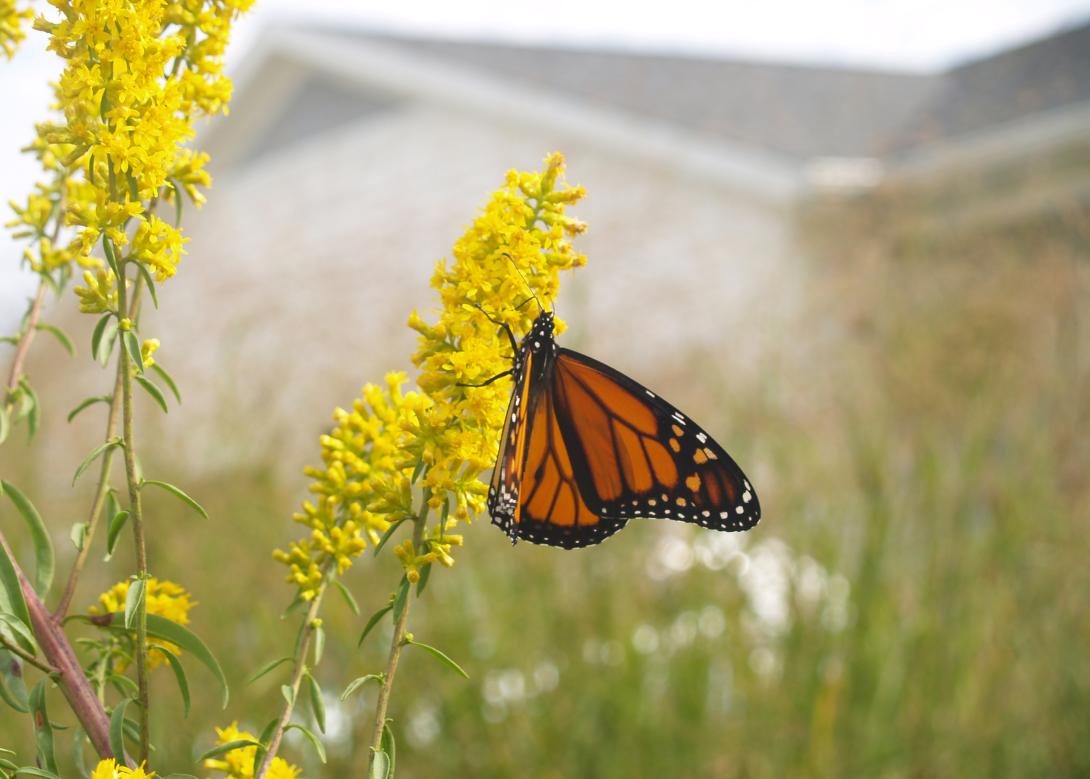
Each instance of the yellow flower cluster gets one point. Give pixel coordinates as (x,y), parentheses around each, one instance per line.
(11,26)
(239,763)
(109,769)
(137,75)
(164,599)
(441,438)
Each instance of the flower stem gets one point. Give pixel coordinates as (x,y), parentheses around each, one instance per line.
(396,643)
(298,669)
(136,519)
(25,337)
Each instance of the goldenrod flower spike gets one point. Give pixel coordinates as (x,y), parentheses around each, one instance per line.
(441,437)
(11,26)
(109,769)
(239,763)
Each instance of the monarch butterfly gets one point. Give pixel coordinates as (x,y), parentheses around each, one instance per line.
(585,448)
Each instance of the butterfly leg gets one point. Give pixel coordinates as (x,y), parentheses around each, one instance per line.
(497,377)
(506,328)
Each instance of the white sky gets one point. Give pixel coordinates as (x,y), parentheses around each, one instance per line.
(913,34)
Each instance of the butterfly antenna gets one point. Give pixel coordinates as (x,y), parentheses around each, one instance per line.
(533,294)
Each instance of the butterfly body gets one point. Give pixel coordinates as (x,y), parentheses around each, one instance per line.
(585,449)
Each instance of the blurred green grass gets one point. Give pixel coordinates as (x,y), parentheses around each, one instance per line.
(912,605)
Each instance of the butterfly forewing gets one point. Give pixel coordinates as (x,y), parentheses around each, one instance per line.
(503,493)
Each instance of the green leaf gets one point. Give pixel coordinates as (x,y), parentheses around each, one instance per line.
(43,544)
(155,392)
(12,687)
(387,535)
(378,615)
(314,742)
(21,630)
(178,494)
(422,582)
(117,522)
(108,246)
(11,594)
(319,645)
(177,202)
(288,693)
(57,333)
(159,369)
(389,746)
(401,599)
(109,338)
(351,601)
(358,682)
(419,469)
(43,729)
(78,740)
(439,656)
(132,346)
(187,641)
(117,727)
(179,675)
(29,770)
(88,402)
(134,598)
(98,450)
(149,281)
(223,749)
(380,765)
(267,668)
(5,422)
(34,408)
(317,705)
(78,535)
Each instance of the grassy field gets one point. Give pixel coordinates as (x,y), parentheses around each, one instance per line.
(913,605)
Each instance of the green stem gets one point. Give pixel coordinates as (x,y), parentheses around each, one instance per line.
(298,669)
(136,519)
(396,643)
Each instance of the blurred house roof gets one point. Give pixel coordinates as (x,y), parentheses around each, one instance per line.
(776,129)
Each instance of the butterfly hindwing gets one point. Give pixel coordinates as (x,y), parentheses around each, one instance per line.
(638,456)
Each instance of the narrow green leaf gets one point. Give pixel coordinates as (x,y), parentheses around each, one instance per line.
(314,742)
(125,686)
(98,450)
(439,655)
(401,599)
(78,740)
(422,582)
(187,641)
(168,380)
(378,615)
(358,682)
(149,281)
(351,601)
(134,189)
(21,630)
(267,668)
(387,535)
(288,693)
(317,705)
(43,729)
(59,334)
(319,645)
(155,392)
(11,594)
(178,494)
(179,675)
(223,749)
(109,338)
(389,746)
(117,725)
(380,765)
(177,202)
(133,600)
(117,522)
(419,469)
(5,422)
(78,535)
(12,687)
(43,543)
(266,734)
(132,346)
(108,247)
(29,770)
(87,403)
(34,408)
